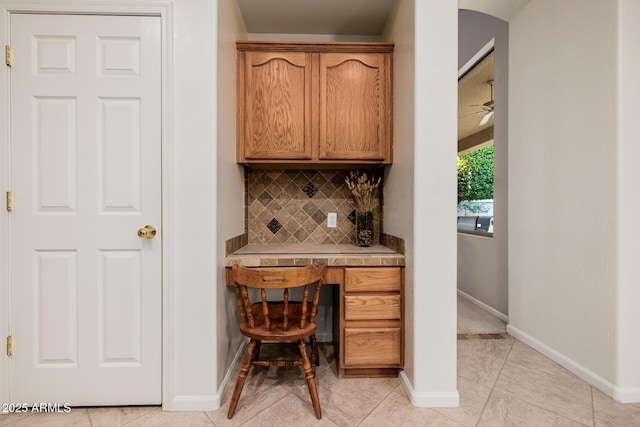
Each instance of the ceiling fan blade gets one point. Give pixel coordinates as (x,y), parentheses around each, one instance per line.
(486,118)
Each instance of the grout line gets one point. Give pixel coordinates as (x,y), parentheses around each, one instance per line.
(503,364)
(493,387)
(593,406)
(377,405)
(549,410)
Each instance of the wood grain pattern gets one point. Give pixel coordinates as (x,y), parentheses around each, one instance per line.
(371,322)
(314,103)
(277,105)
(387,279)
(372,307)
(354,110)
(372,347)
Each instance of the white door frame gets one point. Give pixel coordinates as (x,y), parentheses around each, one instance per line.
(162,9)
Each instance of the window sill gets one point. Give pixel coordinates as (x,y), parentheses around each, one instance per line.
(476,233)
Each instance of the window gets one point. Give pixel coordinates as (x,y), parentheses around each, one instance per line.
(475,190)
(475,146)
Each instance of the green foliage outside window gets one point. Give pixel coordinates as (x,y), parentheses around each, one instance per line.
(475,175)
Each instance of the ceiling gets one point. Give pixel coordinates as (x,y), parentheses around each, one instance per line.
(337,17)
(473,91)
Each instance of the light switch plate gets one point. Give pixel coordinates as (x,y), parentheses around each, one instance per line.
(332,220)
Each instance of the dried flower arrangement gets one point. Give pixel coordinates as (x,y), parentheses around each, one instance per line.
(362,187)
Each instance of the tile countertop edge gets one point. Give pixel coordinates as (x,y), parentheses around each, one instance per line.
(299,260)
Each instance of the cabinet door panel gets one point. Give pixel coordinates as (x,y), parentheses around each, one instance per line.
(372,347)
(277,105)
(354,106)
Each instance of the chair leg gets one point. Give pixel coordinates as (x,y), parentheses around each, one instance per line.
(256,351)
(242,375)
(310,375)
(315,359)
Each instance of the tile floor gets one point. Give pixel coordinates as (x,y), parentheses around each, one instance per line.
(502,382)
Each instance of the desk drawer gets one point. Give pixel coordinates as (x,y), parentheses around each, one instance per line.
(372,307)
(387,279)
(372,347)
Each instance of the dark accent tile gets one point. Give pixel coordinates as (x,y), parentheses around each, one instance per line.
(352,217)
(310,189)
(274,225)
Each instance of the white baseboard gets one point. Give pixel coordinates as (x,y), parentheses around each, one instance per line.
(428,399)
(627,394)
(492,311)
(624,395)
(193,403)
(207,403)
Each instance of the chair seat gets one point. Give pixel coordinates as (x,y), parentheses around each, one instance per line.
(276,330)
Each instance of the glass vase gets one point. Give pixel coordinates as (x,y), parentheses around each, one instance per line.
(364,227)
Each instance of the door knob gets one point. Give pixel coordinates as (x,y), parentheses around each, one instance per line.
(147,232)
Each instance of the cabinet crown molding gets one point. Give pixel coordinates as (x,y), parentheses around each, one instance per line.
(356,47)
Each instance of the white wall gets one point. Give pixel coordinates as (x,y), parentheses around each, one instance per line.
(628,316)
(483,261)
(420,191)
(193,381)
(562,182)
(501,9)
(229,184)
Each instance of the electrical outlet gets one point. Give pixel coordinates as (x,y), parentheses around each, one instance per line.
(332,220)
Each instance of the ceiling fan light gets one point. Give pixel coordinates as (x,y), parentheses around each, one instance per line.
(486,118)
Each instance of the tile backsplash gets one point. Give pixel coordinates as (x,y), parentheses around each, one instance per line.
(291,206)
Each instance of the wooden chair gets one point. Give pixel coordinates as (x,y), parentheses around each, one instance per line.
(267,320)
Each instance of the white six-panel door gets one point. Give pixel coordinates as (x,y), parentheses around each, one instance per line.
(85,176)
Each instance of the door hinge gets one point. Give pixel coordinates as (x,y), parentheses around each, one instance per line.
(9,345)
(9,201)
(8,55)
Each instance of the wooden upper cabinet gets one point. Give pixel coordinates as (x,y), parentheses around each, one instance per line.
(275,106)
(314,103)
(355,106)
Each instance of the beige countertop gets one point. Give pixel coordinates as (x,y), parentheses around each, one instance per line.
(288,255)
